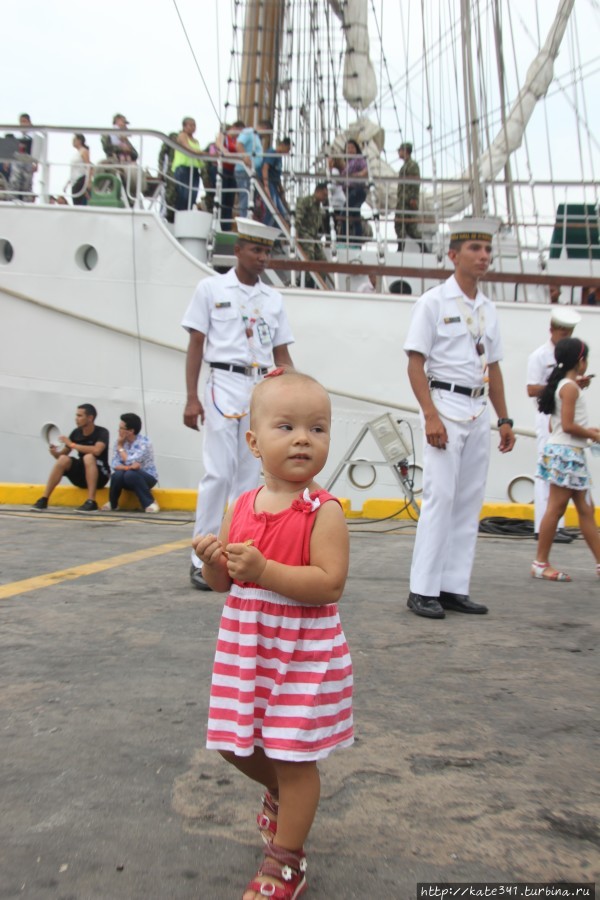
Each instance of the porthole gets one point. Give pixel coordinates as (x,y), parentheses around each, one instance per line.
(86,257)
(401,287)
(6,252)
(362,475)
(521,489)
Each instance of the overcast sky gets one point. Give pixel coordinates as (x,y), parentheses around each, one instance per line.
(70,63)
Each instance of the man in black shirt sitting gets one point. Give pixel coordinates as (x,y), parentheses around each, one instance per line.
(90,468)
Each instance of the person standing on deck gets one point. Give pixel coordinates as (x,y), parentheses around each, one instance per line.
(249,142)
(271,176)
(187,169)
(454,352)
(407,204)
(309,221)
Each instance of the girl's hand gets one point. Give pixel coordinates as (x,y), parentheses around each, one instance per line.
(208,548)
(595,434)
(245,562)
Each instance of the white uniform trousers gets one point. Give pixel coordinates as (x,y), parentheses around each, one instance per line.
(454,482)
(229,466)
(541,487)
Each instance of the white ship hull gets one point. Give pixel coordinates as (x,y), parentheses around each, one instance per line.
(111,336)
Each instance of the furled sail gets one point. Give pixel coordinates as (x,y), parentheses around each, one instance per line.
(360,89)
(453,199)
(360,83)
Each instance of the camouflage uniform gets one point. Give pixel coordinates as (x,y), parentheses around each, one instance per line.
(208,174)
(309,227)
(20,180)
(165,169)
(407,203)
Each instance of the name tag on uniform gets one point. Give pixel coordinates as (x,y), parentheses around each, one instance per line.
(450,319)
(264,332)
(224,305)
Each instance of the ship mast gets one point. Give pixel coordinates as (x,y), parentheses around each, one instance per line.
(486,166)
(260,60)
(471,108)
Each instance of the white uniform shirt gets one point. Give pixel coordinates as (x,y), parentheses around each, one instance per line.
(438,330)
(540,365)
(222,309)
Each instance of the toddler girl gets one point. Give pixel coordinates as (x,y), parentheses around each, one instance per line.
(281,695)
(563,461)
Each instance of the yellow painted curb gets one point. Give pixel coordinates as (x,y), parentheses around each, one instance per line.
(68,495)
(185,501)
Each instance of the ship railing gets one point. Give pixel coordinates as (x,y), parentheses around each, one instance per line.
(558,219)
(573,228)
(538,235)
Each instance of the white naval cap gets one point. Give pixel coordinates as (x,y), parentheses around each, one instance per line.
(256,232)
(564,317)
(473,229)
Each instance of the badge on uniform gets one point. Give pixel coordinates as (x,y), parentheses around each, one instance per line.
(450,319)
(264,332)
(225,305)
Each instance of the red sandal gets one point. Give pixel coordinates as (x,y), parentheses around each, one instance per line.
(284,865)
(266,825)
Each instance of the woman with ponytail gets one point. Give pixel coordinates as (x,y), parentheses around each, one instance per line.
(563,462)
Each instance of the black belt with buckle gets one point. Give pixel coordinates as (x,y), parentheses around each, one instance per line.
(458,388)
(239,370)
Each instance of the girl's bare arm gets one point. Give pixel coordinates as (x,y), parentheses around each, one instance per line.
(209,549)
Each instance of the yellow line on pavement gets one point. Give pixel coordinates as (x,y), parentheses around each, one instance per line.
(52,578)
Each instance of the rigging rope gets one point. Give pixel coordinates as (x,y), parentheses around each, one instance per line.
(430,133)
(578,80)
(187,37)
(527,156)
(308,108)
(383,65)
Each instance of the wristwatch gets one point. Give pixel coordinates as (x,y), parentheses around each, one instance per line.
(505,421)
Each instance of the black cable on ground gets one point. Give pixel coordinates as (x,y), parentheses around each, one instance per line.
(503,526)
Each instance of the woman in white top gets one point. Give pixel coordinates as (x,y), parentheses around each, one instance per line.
(80,171)
(563,462)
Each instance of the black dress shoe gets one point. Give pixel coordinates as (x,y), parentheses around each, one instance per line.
(460,603)
(197,579)
(429,607)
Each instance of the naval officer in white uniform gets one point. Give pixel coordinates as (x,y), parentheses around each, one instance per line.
(454,351)
(239,326)
(539,366)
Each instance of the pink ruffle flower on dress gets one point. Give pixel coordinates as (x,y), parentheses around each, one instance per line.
(308,503)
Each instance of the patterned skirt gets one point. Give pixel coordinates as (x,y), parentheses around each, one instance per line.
(565,467)
(282,678)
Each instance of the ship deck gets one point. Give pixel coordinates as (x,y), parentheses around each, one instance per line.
(477,736)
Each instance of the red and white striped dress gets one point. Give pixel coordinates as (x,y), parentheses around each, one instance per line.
(282,676)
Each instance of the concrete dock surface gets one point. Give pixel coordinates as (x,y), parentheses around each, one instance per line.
(476,754)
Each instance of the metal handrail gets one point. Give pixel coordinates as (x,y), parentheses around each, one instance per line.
(535,231)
